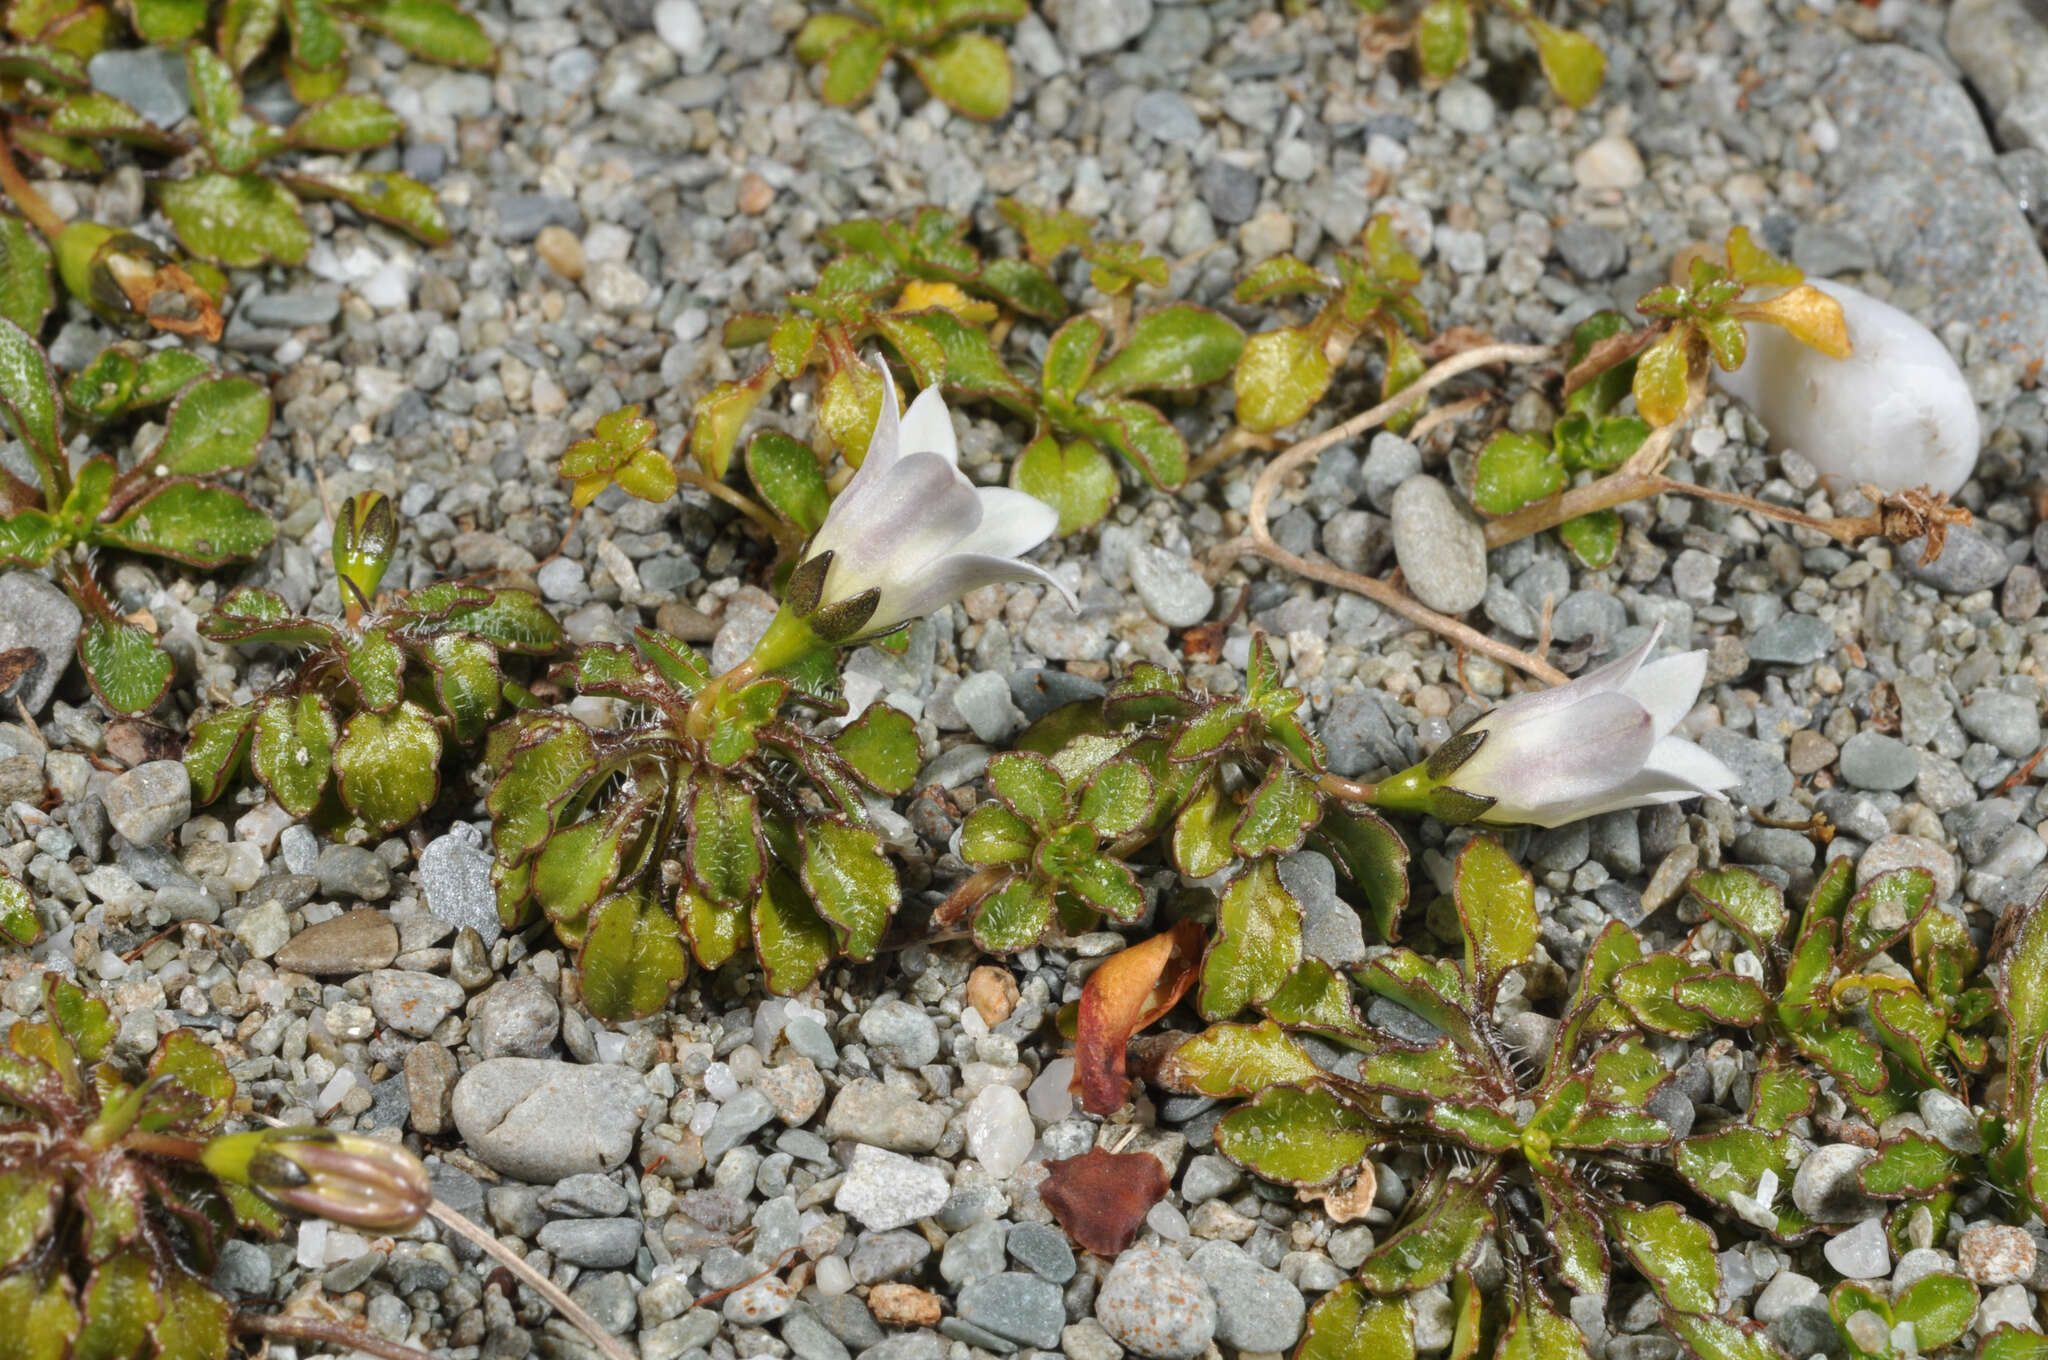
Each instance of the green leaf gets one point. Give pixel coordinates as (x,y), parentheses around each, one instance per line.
(294,750)
(726,857)
(718,417)
(1177,348)
(194,1325)
(2023,990)
(1031,787)
(2012,1342)
(29,537)
(246,29)
(1572,62)
(1593,539)
(580,864)
(1257,943)
(376,667)
(385,195)
(1515,470)
(126,667)
(20,925)
(426,28)
(1207,734)
(1537,1333)
(851,882)
(1014,916)
(467,686)
(1373,856)
(787,475)
(39,1307)
(1910,1166)
(1280,376)
(969,71)
(1239,1060)
(190,522)
(1102,882)
(1443,37)
(1496,901)
(190,1089)
(882,747)
(1202,833)
(1278,815)
(632,958)
(92,114)
(1279,276)
(1574,1231)
(1296,1136)
(790,939)
(237,220)
(1118,797)
(236,141)
(970,362)
(1674,1252)
(1940,1307)
(1442,1235)
(1748,902)
(1075,479)
(992,834)
(215,426)
(26,293)
(347,122)
(821,33)
(29,396)
(1710,1338)
(514,620)
(1660,381)
(167,23)
(1349,1324)
(120,1308)
(1070,358)
(1476,1126)
(1022,287)
(389,765)
(854,65)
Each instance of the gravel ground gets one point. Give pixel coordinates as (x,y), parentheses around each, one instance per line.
(857,1165)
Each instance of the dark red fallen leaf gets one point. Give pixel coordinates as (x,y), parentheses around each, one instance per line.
(1101,1198)
(1128,992)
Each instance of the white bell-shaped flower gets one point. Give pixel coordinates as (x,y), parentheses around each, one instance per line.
(1598,743)
(910,534)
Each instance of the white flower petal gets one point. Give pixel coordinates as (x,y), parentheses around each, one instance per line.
(1012,522)
(1667,687)
(955,574)
(884,451)
(928,427)
(1538,703)
(1678,761)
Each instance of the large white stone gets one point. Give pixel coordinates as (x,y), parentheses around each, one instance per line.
(1896,412)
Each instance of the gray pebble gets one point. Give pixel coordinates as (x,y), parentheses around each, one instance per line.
(516,1018)
(1153,1303)
(1861,1253)
(2007,721)
(413,1003)
(1043,1250)
(882,1256)
(973,1253)
(596,1243)
(1792,640)
(1018,1307)
(1969,562)
(1256,1309)
(149,802)
(1591,251)
(352,871)
(37,615)
(455,879)
(1229,192)
(884,1190)
(1872,760)
(1172,589)
(1440,546)
(1825,1188)
(900,1034)
(540,1120)
(151,80)
(983,699)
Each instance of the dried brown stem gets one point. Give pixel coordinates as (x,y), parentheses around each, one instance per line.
(1227,448)
(968,895)
(1260,539)
(607,1344)
(340,1335)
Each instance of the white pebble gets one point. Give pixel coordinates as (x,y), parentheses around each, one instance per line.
(1049,1099)
(680,24)
(999,1132)
(1896,412)
(1610,163)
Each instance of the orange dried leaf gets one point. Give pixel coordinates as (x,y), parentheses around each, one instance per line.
(1101,1198)
(1128,992)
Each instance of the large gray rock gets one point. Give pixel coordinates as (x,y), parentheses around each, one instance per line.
(36,615)
(541,1121)
(2002,46)
(1152,1303)
(1916,171)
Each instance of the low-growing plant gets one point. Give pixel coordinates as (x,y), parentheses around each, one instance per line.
(169,503)
(1559,1166)
(957,63)
(1442,34)
(355,733)
(19,923)
(115,1196)
(234,206)
(1285,372)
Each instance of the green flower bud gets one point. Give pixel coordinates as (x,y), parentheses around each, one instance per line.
(346,1177)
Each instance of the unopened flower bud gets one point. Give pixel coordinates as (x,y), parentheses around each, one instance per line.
(346,1177)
